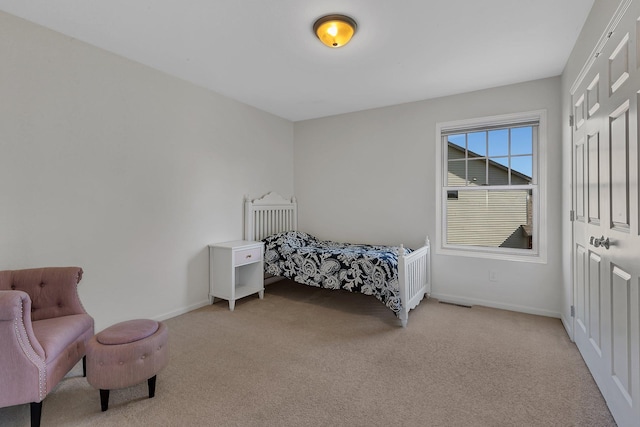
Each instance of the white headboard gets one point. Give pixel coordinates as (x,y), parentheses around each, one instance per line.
(269,215)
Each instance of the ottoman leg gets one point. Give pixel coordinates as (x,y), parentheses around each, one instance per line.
(152,386)
(104,399)
(84,366)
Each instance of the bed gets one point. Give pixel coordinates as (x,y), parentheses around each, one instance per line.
(398,277)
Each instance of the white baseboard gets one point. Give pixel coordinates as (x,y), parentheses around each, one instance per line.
(455,299)
(183,310)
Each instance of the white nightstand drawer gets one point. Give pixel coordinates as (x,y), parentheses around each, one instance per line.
(246,256)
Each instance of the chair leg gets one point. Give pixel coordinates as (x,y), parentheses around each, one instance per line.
(152,386)
(36,412)
(84,366)
(104,399)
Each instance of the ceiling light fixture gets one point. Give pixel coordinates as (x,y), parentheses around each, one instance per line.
(335,30)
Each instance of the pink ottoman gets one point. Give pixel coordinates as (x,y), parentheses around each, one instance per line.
(126,354)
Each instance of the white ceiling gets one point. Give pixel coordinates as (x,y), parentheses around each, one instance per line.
(264,52)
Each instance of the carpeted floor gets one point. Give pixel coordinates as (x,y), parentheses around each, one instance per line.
(311,357)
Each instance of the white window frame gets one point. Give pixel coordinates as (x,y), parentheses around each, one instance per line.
(539,186)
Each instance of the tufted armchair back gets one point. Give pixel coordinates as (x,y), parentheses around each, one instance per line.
(48,289)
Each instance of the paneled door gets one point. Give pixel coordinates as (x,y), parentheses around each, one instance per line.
(606,249)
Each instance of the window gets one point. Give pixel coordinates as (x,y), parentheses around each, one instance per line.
(490,187)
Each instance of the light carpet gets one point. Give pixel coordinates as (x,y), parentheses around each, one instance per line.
(311,357)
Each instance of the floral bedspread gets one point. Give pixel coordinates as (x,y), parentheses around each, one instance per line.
(368,269)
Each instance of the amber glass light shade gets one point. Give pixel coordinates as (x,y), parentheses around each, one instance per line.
(335,30)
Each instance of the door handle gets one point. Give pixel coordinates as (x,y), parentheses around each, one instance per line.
(600,242)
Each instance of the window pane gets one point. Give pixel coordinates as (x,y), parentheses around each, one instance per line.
(477,172)
(499,171)
(523,165)
(492,218)
(499,142)
(458,140)
(521,141)
(456,174)
(455,152)
(477,144)
(503,161)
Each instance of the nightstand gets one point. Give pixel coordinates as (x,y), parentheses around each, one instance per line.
(236,270)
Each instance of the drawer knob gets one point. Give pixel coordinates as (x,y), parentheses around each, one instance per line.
(249,256)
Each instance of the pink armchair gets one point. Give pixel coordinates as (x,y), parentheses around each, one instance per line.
(43,331)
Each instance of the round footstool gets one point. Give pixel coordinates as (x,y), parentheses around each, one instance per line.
(126,354)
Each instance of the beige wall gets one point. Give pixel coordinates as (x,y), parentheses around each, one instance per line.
(370,177)
(124,171)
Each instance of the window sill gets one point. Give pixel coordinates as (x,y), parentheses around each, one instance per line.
(535,258)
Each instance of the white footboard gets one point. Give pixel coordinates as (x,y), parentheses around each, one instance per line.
(414,272)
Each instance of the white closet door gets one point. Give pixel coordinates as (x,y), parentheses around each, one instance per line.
(606,234)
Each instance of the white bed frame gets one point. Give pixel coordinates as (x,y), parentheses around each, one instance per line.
(274,214)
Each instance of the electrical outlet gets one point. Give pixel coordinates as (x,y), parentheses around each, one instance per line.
(493,275)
